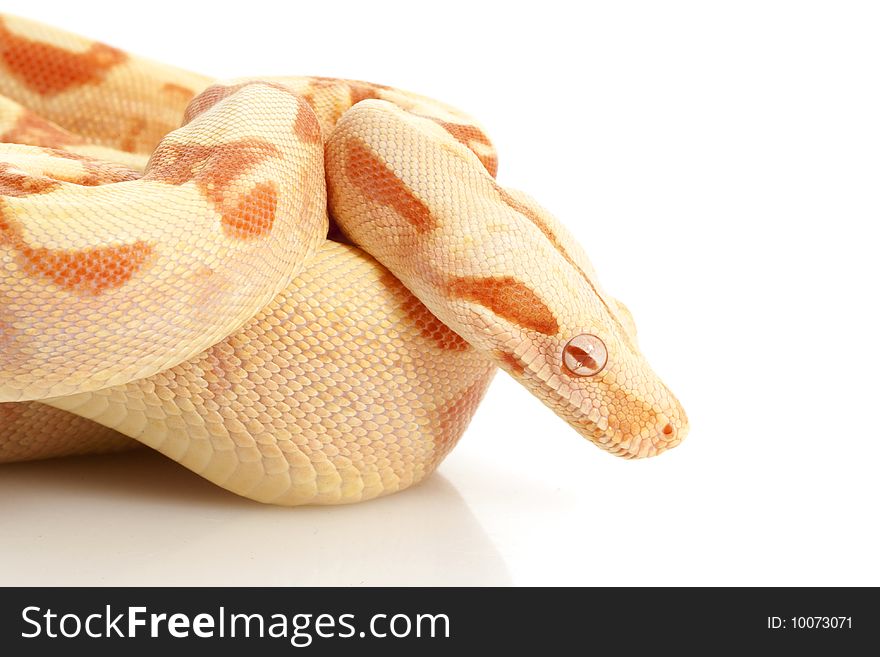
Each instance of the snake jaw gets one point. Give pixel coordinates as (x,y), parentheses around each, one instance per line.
(628,439)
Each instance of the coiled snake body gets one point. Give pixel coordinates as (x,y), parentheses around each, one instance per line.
(166,275)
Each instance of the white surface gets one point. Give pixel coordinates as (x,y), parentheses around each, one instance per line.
(720,163)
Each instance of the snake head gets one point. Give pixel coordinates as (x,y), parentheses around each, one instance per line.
(575,347)
(592,374)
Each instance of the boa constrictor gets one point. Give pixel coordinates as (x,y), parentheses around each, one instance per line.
(166,275)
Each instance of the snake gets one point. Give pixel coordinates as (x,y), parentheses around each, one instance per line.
(299,288)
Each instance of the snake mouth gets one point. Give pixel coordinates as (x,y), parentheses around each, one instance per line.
(666,429)
(637,447)
(642,445)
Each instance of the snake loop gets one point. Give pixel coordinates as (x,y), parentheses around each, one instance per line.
(166,276)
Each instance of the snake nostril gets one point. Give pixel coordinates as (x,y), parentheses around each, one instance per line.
(667,430)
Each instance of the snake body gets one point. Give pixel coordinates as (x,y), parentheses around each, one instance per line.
(166,275)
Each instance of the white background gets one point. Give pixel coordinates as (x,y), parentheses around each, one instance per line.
(719,161)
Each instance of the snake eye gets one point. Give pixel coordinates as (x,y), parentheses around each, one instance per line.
(584,355)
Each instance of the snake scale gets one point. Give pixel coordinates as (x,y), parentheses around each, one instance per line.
(298,288)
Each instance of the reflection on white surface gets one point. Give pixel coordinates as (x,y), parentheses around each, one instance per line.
(140,519)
